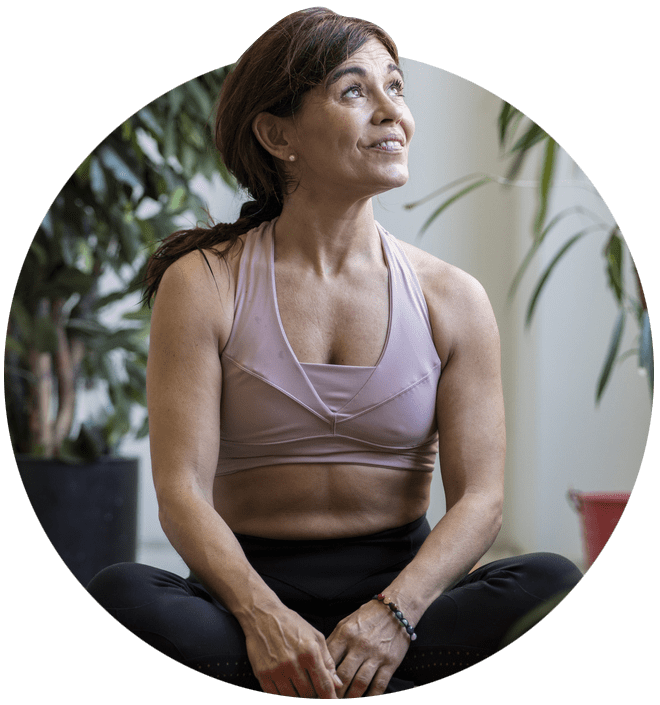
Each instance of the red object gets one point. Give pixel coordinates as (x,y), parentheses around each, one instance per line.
(599,514)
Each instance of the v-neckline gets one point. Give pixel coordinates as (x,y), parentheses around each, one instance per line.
(337,369)
(390,305)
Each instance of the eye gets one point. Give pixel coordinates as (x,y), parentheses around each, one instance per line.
(396,88)
(354,91)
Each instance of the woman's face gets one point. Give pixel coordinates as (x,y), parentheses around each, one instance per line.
(351,135)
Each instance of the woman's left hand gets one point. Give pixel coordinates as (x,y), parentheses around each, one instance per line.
(367,647)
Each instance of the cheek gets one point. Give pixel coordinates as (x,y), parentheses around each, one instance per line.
(409,125)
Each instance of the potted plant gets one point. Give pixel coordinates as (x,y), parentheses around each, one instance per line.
(519,137)
(77,326)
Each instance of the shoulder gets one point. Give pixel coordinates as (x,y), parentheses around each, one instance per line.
(197,291)
(459,308)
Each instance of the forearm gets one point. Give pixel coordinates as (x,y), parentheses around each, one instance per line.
(212,552)
(450,551)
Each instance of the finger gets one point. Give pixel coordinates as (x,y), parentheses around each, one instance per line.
(331,664)
(379,682)
(347,671)
(285,687)
(282,678)
(302,682)
(320,676)
(361,680)
(336,648)
(268,686)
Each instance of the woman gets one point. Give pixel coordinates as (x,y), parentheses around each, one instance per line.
(305,368)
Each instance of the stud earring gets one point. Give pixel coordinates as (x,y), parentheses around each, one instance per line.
(292,157)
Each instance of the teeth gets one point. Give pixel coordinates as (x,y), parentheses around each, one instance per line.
(389,144)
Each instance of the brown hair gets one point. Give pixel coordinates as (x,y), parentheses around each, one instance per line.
(272,76)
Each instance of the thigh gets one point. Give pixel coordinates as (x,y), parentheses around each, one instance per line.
(471,620)
(177,616)
(481,608)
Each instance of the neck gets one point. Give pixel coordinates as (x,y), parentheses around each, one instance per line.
(326,238)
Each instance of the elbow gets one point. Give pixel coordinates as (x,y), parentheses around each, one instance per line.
(169,517)
(164,517)
(176,505)
(495,513)
(489,508)
(497,524)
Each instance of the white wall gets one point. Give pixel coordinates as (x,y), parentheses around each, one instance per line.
(559,431)
(557,439)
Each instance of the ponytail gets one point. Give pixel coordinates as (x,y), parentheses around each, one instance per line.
(273,75)
(219,235)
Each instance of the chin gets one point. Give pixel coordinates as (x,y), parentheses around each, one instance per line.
(398,177)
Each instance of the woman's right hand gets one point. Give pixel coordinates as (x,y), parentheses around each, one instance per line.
(290,657)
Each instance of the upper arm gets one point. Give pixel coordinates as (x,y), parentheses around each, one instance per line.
(191,319)
(469,407)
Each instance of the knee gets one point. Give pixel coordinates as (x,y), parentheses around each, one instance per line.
(551,574)
(117,585)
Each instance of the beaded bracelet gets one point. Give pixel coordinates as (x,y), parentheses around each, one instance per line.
(398,614)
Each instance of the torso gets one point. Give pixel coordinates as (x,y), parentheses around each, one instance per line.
(333,321)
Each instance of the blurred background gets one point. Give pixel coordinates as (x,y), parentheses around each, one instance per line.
(78,333)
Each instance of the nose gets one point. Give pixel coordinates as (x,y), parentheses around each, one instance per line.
(388,110)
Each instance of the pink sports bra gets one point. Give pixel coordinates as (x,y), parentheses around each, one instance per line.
(275,410)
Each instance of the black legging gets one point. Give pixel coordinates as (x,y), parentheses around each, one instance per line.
(324,581)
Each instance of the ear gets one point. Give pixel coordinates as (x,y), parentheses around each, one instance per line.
(274,134)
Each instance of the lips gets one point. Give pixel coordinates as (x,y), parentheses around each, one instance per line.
(389,143)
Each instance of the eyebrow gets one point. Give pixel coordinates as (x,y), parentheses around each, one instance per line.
(358,70)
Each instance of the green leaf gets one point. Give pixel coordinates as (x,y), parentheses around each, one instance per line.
(149,121)
(191,133)
(127,339)
(548,271)
(70,280)
(170,143)
(613,349)
(504,119)
(177,199)
(646,348)
(14,345)
(39,252)
(546,181)
(20,316)
(82,172)
(532,136)
(614,253)
(194,88)
(148,231)
(126,130)
(45,335)
(175,100)
(98,181)
(114,162)
(449,201)
(538,241)
(87,326)
(89,445)
(143,431)
(141,314)
(226,176)
(522,148)
(189,158)
(129,235)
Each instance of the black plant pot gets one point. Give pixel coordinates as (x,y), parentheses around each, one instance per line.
(88,511)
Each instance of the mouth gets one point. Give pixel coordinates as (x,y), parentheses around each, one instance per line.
(391,143)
